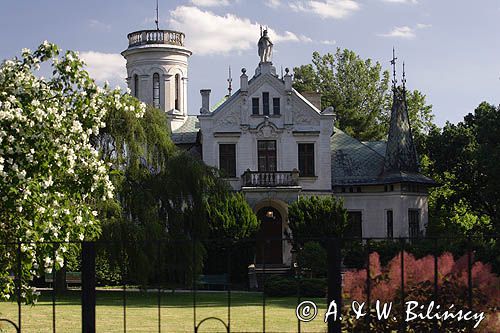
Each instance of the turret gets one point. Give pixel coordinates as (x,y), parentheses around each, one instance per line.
(157,71)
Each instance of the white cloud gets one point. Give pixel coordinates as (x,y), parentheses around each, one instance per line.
(105,67)
(328,42)
(96,24)
(326,9)
(210,3)
(209,33)
(273,3)
(402,1)
(401,32)
(423,26)
(405,31)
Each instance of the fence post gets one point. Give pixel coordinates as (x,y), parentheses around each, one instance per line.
(88,287)
(334,283)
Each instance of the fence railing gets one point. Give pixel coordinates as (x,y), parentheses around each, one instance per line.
(270,178)
(145,37)
(188,267)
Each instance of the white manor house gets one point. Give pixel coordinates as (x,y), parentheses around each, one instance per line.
(276,145)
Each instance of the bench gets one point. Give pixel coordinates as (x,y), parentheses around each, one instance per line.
(213,280)
(71,278)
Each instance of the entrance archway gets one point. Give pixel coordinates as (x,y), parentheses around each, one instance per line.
(269,238)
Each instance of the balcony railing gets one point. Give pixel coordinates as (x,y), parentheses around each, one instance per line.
(270,178)
(144,37)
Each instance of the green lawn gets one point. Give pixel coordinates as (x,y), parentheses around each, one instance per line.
(176,313)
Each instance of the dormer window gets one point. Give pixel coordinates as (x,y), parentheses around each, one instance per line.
(255,105)
(265,103)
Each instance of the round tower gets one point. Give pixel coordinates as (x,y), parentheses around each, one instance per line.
(157,71)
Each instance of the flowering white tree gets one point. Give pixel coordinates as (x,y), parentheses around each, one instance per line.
(50,175)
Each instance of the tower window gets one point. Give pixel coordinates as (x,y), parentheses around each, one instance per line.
(136,85)
(276,105)
(255,105)
(177,91)
(265,103)
(156,90)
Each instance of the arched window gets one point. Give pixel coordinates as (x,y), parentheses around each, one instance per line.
(136,85)
(177,91)
(156,90)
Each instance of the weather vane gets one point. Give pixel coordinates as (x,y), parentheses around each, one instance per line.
(393,63)
(229,80)
(156,21)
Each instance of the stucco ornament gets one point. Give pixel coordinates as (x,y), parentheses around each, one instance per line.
(265,47)
(267,130)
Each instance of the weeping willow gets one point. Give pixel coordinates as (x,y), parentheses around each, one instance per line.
(160,214)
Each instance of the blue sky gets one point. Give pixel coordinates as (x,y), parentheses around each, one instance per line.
(451,48)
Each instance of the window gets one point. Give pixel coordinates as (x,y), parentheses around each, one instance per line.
(136,85)
(266,152)
(276,106)
(265,103)
(227,159)
(354,225)
(306,159)
(390,226)
(156,90)
(413,223)
(177,91)
(255,105)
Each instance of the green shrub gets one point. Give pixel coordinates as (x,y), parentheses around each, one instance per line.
(313,287)
(313,257)
(278,285)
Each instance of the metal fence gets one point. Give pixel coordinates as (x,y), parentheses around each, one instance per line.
(161,268)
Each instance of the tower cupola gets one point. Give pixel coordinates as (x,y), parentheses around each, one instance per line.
(157,71)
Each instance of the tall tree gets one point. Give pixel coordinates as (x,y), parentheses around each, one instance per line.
(50,175)
(359,91)
(465,159)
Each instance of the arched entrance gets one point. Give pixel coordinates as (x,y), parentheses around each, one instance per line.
(269,238)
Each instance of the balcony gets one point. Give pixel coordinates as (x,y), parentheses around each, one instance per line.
(270,178)
(145,37)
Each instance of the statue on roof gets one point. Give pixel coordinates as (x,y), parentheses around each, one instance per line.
(265,47)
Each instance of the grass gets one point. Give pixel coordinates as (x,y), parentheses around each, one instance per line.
(176,313)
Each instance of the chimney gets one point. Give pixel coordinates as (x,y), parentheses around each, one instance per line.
(313,97)
(288,80)
(243,80)
(205,101)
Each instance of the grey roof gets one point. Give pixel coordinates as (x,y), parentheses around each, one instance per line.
(378,146)
(400,155)
(188,132)
(353,162)
(362,163)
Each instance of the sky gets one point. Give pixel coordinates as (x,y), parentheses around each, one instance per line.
(451,48)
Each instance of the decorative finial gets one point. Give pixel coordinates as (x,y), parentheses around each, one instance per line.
(393,63)
(243,70)
(404,77)
(260,31)
(157,21)
(287,70)
(281,71)
(229,80)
